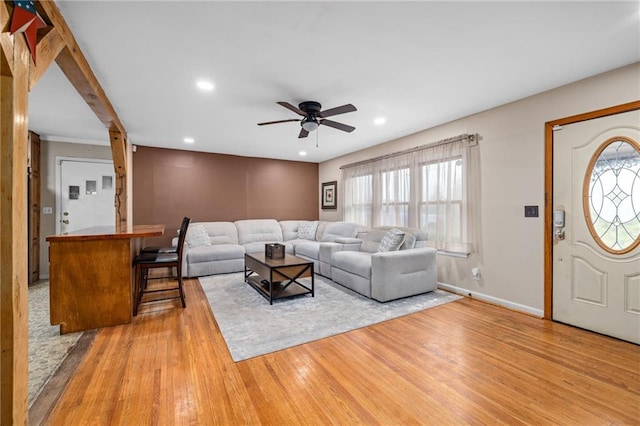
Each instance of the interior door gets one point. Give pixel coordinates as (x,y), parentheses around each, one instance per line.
(596,250)
(86,195)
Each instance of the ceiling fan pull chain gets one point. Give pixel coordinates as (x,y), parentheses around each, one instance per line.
(317,133)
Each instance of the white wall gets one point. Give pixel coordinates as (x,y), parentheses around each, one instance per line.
(48,153)
(512,176)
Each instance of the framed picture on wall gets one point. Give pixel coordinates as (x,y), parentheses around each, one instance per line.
(330,195)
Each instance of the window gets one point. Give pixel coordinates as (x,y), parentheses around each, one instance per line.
(358,196)
(429,187)
(396,187)
(441,199)
(612,195)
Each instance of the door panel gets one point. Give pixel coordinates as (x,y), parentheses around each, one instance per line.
(87,196)
(596,287)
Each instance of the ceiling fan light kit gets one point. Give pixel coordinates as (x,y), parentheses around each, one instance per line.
(313,117)
(309,124)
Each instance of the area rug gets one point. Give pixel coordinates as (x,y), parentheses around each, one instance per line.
(251,327)
(47,348)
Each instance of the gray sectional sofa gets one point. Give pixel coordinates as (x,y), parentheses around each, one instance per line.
(345,252)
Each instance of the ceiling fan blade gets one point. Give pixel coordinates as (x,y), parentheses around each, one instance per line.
(303,133)
(292,108)
(336,125)
(278,121)
(337,110)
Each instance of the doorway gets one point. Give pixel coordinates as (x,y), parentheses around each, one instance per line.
(85,194)
(592,226)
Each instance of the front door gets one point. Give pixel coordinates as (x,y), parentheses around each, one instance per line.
(596,222)
(86,194)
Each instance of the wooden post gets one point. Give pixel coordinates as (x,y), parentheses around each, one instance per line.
(119,154)
(14,91)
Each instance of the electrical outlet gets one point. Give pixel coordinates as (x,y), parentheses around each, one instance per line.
(475,274)
(530,211)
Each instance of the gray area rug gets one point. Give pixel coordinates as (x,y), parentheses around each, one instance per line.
(251,327)
(47,348)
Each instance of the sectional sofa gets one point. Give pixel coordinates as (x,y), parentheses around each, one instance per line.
(345,252)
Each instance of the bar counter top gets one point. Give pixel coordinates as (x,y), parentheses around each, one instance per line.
(110,233)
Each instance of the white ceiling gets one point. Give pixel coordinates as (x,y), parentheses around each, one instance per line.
(419,64)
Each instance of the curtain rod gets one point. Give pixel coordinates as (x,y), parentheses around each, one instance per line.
(465,136)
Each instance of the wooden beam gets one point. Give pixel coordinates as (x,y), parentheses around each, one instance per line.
(13,246)
(6,40)
(75,66)
(119,154)
(47,50)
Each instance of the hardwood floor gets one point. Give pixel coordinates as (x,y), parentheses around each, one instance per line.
(464,362)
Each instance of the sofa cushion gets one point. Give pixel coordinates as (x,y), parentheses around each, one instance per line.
(258,230)
(339,229)
(355,262)
(308,248)
(221,232)
(215,252)
(371,240)
(197,236)
(415,237)
(392,240)
(307,230)
(290,229)
(322,225)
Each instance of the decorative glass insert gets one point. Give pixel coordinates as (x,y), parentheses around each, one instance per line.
(92,188)
(107,182)
(612,195)
(74,192)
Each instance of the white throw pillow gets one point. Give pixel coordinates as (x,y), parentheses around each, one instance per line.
(197,236)
(307,230)
(392,240)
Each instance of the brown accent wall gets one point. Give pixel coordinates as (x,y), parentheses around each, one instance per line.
(169,184)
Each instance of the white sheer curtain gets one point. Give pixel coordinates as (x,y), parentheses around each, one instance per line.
(434,187)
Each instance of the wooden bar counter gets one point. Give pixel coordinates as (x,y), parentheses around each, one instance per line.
(91,277)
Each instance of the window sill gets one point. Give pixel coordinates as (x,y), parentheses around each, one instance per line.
(453,254)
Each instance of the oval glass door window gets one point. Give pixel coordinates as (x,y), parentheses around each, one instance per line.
(611,195)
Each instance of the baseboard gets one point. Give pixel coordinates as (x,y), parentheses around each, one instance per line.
(494,300)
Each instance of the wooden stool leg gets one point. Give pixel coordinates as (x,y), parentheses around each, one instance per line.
(184,305)
(136,289)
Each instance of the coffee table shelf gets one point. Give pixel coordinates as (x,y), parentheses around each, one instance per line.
(278,278)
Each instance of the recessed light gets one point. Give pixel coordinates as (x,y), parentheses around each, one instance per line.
(205,85)
(188,140)
(379,121)
(302,153)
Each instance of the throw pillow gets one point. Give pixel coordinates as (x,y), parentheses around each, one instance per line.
(307,230)
(197,236)
(392,240)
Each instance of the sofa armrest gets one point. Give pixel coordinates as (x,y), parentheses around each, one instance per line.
(349,244)
(326,250)
(403,273)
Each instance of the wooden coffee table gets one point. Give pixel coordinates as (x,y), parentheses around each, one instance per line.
(278,278)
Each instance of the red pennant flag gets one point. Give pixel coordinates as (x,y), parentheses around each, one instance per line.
(25,20)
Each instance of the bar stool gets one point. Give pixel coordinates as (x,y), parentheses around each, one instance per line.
(155,249)
(145,261)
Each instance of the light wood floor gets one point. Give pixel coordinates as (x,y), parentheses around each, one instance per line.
(465,362)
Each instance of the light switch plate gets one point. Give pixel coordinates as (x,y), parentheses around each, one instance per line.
(47,210)
(530,211)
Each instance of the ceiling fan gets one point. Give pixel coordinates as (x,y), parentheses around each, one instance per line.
(313,116)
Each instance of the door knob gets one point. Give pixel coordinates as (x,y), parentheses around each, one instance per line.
(65,221)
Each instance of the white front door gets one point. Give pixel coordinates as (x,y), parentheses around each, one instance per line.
(596,251)
(86,194)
